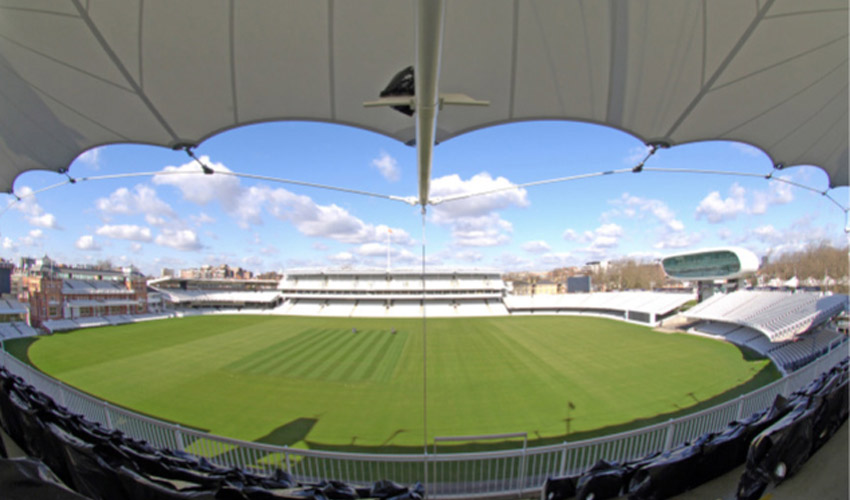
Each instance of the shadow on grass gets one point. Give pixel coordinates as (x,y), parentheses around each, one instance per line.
(297,430)
(286,435)
(748,354)
(767,374)
(19,348)
(289,433)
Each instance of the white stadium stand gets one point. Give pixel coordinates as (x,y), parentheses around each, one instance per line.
(783,326)
(778,315)
(401,294)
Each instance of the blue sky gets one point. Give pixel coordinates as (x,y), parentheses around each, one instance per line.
(179,221)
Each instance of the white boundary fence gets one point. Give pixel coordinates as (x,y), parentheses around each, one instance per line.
(452,475)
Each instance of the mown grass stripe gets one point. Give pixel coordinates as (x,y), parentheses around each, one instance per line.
(326,360)
(258,362)
(367,356)
(344,355)
(292,362)
(344,368)
(385,371)
(485,375)
(270,352)
(380,358)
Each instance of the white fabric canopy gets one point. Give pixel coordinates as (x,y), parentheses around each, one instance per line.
(77,74)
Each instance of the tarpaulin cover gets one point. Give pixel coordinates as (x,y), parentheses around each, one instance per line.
(781,449)
(106,464)
(28,479)
(336,490)
(559,488)
(139,487)
(707,458)
(667,475)
(832,402)
(90,474)
(81,74)
(603,480)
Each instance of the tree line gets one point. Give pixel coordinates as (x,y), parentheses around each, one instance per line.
(818,260)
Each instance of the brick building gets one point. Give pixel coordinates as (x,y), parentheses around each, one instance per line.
(54,291)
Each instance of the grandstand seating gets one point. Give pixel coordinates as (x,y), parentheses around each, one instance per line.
(400,294)
(779,315)
(787,355)
(616,304)
(16,330)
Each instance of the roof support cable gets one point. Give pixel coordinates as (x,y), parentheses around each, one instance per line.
(745,174)
(20,199)
(70,179)
(834,201)
(447,199)
(653,147)
(410,200)
(190,150)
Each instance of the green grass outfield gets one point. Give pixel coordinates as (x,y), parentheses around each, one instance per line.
(311,382)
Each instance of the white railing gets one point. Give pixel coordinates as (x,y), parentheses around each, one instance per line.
(450,475)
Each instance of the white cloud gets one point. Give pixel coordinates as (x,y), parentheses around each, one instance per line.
(32,211)
(453,185)
(247,206)
(781,192)
(135,247)
(677,240)
(91,158)
(47,221)
(482,231)
(372,249)
(601,239)
(9,245)
(475,221)
(270,250)
(512,262)
(778,193)
(201,219)
(469,256)
(342,258)
(637,154)
(125,232)
(538,246)
(747,150)
(328,221)
(388,166)
(609,230)
(153,220)
(141,200)
(87,243)
(717,209)
(202,189)
(634,205)
(767,233)
(180,239)
(556,259)
(33,238)
(252,261)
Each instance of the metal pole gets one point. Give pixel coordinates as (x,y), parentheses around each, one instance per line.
(424,365)
(430,19)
